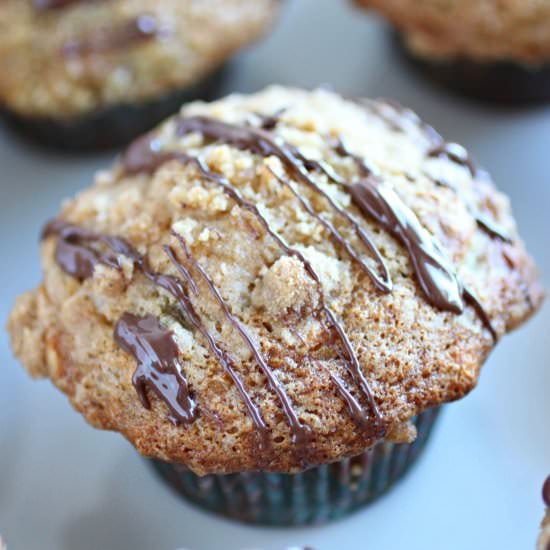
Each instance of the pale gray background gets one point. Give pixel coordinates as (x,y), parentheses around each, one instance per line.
(65,486)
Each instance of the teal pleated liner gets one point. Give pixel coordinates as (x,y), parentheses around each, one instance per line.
(114,126)
(315,496)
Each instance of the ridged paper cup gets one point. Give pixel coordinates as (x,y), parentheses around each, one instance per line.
(113,126)
(504,82)
(318,495)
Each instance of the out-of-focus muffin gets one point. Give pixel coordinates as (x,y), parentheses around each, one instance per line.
(491,49)
(81,74)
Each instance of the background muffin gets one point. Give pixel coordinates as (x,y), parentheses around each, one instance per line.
(82,74)
(305,273)
(489,49)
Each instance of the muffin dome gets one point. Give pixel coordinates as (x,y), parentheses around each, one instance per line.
(63,58)
(489,30)
(275,281)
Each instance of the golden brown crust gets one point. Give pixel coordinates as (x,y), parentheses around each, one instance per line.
(194,38)
(485,31)
(413,355)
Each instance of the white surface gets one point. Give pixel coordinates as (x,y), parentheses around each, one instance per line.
(65,486)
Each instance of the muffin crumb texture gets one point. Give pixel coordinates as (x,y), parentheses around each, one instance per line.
(214,296)
(65,59)
(484,31)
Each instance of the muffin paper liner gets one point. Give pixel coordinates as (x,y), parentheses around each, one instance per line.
(504,82)
(113,126)
(314,496)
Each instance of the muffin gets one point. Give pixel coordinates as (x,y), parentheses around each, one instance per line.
(544,538)
(272,296)
(491,49)
(81,75)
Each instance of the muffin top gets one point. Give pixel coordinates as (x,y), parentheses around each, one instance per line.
(486,30)
(63,58)
(275,281)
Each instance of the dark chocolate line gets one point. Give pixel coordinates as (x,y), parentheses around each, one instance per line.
(263,143)
(378,201)
(471,299)
(298,430)
(270,122)
(224,359)
(75,259)
(47,5)
(137,30)
(486,225)
(491,229)
(334,233)
(79,261)
(150,162)
(546,492)
(455,153)
(524,286)
(158,367)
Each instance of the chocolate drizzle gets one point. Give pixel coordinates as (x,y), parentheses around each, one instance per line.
(157,365)
(491,229)
(434,272)
(150,161)
(394,114)
(74,250)
(79,250)
(378,201)
(137,30)
(546,492)
(46,5)
(486,225)
(265,144)
(455,153)
(298,430)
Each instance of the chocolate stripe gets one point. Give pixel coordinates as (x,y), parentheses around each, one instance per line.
(298,430)
(453,151)
(46,5)
(75,256)
(456,153)
(223,358)
(546,492)
(334,233)
(150,161)
(79,250)
(158,367)
(263,143)
(135,31)
(486,225)
(378,201)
